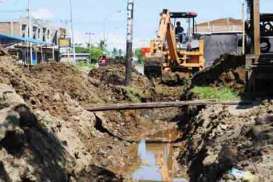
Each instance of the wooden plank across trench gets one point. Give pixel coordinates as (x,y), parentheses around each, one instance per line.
(153,105)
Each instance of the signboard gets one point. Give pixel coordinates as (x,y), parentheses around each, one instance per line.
(65,42)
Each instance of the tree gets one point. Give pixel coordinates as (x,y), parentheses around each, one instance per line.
(95,53)
(120,53)
(139,55)
(114,52)
(80,49)
(102,45)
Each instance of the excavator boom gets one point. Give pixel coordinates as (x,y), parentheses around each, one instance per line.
(165,54)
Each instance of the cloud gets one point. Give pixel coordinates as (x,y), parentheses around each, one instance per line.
(42,14)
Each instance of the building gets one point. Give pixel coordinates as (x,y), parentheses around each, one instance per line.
(223,25)
(43,40)
(68,57)
(222,36)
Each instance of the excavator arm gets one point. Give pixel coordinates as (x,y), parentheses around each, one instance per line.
(165,33)
(165,56)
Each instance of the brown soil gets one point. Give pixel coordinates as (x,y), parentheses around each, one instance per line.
(221,138)
(228,71)
(53,93)
(133,125)
(91,144)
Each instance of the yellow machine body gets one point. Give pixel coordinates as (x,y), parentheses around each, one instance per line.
(165,54)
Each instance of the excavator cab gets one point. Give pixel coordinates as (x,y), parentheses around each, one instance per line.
(171,53)
(187,22)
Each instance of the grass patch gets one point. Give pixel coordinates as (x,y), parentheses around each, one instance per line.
(216,93)
(134,94)
(82,66)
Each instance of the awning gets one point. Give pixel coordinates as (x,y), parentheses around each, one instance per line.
(10,39)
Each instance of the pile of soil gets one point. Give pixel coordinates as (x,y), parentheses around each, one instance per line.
(110,80)
(142,89)
(221,140)
(132,125)
(228,70)
(56,94)
(91,144)
(34,147)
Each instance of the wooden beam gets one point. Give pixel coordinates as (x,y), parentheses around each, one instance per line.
(152,105)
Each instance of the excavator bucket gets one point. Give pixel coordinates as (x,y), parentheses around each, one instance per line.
(153,68)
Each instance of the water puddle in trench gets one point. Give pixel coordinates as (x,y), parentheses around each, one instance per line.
(158,161)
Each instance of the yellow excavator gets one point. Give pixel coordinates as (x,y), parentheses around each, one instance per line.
(170,52)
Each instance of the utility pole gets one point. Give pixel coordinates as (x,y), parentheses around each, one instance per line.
(29,31)
(129,42)
(72,32)
(243,27)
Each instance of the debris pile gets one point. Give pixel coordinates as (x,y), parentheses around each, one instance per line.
(57,96)
(32,147)
(228,70)
(230,144)
(53,94)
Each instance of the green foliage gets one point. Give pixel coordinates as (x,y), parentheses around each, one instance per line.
(102,45)
(139,55)
(216,93)
(96,53)
(79,49)
(120,53)
(133,93)
(114,52)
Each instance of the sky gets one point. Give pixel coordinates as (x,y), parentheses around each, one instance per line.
(108,17)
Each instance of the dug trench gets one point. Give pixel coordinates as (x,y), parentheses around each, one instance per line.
(60,140)
(57,139)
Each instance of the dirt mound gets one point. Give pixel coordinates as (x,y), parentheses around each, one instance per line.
(30,150)
(110,80)
(230,144)
(229,71)
(130,125)
(54,93)
(115,74)
(63,77)
(57,95)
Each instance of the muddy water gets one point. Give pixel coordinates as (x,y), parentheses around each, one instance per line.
(157,159)
(157,163)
